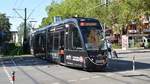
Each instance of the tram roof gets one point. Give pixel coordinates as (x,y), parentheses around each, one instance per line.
(74,19)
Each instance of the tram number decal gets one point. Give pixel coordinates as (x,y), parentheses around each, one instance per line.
(74,58)
(68,57)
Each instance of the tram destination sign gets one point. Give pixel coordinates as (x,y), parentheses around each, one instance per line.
(88,24)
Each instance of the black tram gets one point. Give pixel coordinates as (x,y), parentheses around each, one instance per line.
(82,39)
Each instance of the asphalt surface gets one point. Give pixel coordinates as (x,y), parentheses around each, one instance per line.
(31,70)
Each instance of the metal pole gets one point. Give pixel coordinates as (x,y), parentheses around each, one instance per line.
(133,62)
(25,29)
(25,22)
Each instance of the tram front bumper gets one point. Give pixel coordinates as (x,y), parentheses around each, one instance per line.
(95,66)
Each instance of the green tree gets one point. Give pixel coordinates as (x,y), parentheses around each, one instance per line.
(124,11)
(69,8)
(116,13)
(5,28)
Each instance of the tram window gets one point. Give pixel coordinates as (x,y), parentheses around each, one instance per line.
(39,41)
(50,41)
(66,38)
(62,38)
(92,37)
(56,41)
(44,41)
(74,38)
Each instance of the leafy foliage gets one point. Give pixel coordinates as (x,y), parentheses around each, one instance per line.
(4,27)
(119,12)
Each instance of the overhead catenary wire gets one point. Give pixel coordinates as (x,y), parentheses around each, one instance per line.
(14,6)
(20,4)
(18,13)
(34,9)
(15,3)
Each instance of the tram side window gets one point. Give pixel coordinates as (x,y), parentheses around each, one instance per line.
(44,41)
(74,38)
(50,40)
(62,38)
(56,41)
(36,41)
(41,42)
(66,39)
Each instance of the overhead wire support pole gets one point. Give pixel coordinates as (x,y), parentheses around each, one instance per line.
(25,32)
(24,18)
(25,22)
(25,25)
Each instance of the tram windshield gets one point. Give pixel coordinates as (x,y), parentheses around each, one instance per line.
(92,37)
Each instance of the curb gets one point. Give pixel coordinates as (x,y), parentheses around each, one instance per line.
(120,51)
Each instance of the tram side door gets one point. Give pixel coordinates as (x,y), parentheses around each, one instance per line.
(74,52)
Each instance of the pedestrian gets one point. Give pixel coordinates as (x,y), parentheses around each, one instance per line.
(109,45)
(61,54)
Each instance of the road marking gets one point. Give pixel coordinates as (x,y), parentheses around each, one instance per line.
(84,78)
(55,83)
(72,80)
(109,74)
(95,76)
(7,73)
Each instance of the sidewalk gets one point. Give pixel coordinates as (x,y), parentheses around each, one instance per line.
(132,50)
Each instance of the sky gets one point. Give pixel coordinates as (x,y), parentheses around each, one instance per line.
(37,9)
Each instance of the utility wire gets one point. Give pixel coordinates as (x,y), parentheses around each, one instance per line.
(15,3)
(22,1)
(35,9)
(18,14)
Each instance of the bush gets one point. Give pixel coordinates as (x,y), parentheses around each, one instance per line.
(11,49)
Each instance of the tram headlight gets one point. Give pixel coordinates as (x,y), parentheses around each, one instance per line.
(81,59)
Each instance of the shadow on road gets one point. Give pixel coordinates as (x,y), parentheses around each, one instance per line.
(124,65)
(114,65)
(24,61)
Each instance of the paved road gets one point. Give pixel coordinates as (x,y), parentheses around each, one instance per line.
(30,70)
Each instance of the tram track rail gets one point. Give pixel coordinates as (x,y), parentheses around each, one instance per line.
(112,76)
(60,80)
(24,72)
(48,74)
(119,74)
(136,75)
(119,80)
(20,69)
